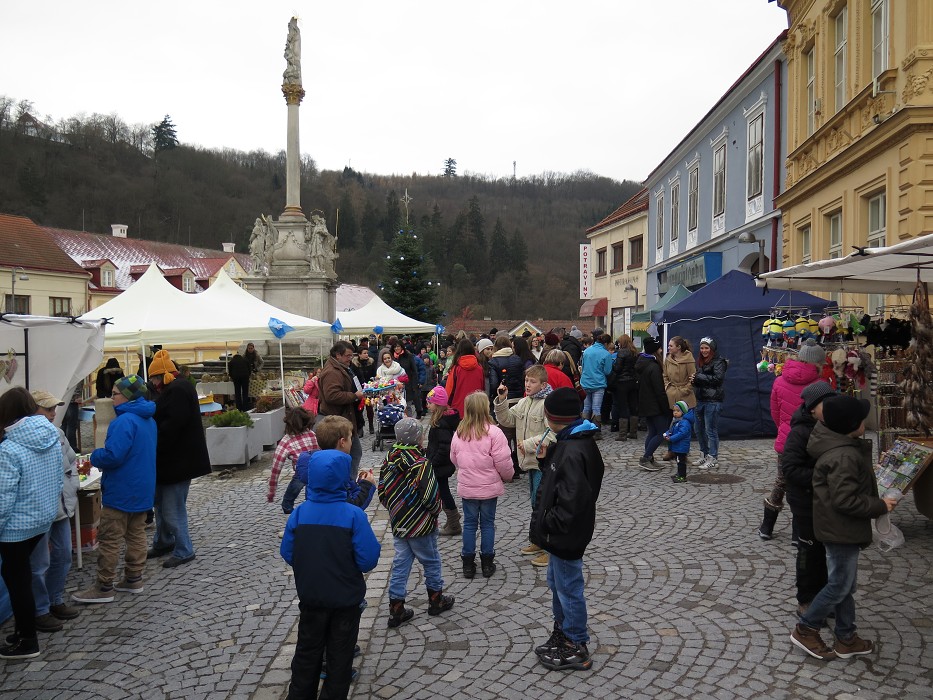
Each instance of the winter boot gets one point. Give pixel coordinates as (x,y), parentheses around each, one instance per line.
(469,565)
(398,613)
(622,434)
(489,566)
(633,428)
(452,526)
(599,427)
(438,602)
(766,528)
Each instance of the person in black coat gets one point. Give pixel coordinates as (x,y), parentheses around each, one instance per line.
(797,467)
(708,387)
(106,376)
(624,384)
(181,455)
(563,520)
(407,362)
(364,367)
(652,401)
(239,370)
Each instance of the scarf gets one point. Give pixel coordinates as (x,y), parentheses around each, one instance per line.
(543,393)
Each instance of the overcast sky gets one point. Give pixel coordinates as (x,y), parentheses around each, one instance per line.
(609,86)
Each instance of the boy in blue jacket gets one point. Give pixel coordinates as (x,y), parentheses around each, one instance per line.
(330,544)
(679,435)
(128,463)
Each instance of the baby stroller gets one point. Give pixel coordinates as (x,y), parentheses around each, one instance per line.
(386,418)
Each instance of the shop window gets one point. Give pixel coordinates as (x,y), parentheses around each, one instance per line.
(59,306)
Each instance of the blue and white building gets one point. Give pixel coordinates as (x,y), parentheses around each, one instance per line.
(711,201)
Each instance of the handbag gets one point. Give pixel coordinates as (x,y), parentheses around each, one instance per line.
(444,471)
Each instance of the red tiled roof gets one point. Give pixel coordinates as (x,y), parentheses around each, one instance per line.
(636,204)
(25,244)
(91,264)
(478,327)
(175,271)
(127,254)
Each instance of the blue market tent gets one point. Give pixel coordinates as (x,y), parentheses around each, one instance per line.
(731,310)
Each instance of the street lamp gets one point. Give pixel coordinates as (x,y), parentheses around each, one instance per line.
(632,288)
(749,237)
(23,277)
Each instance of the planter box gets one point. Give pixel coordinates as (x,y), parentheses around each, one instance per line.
(228,446)
(253,443)
(270,426)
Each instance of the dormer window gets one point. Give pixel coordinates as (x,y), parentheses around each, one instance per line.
(106,278)
(187,283)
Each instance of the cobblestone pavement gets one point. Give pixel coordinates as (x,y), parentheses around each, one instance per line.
(684,601)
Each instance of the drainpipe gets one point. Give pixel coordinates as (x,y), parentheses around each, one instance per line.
(777,161)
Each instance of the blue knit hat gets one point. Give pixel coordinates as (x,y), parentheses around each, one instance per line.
(132,387)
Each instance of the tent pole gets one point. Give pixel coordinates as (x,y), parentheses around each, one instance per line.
(142,349)
(282,372)
(664,332)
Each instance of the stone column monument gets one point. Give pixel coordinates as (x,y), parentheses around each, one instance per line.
(293,257)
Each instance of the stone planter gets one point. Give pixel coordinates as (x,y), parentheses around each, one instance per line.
(254,443)
(228,446)
(270,426)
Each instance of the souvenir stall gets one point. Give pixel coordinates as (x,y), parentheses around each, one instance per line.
(903,335)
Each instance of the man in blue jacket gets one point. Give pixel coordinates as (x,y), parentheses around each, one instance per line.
(128,463)
(329,543)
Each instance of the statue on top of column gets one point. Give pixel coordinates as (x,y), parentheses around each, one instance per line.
(320,245)
(292,74)
(261,245)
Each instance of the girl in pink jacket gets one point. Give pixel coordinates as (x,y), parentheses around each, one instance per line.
(483,459)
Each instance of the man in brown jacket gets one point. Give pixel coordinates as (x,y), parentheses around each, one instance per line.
(339,396)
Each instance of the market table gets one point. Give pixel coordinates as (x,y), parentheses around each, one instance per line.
(92,479)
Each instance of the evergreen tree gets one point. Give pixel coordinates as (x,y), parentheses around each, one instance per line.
(476,248)
(450,167)
(518,253)
(349,227)
(393,218)
(164,136)
(500,257)
(369,224)
(406,285)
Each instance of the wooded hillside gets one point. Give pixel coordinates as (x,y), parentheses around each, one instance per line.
(477,233)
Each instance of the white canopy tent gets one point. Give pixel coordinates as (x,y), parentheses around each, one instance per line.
(890,270)
(153,311)
(376,313)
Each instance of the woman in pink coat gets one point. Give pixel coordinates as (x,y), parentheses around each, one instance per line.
(312,391)
(483,459)
(785,399)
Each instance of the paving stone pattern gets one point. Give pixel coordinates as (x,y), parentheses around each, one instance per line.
(684,601)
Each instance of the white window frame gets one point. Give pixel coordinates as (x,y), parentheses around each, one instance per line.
(835,235)
(879,37)
(659,225)
(877,230)
(693,197)
(107,278)
(754,202)
(811,90)
(718,208)
(840,22)
(187,283)
(675,210)
(806,243)
(876,302)
(231,268)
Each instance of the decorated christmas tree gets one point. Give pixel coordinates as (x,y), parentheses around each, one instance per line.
(406,284)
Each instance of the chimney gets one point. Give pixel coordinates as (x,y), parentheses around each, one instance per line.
(229,247)
(119,230)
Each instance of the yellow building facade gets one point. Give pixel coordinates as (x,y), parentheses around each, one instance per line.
(859,129)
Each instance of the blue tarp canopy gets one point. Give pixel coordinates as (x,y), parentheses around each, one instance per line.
(731,310)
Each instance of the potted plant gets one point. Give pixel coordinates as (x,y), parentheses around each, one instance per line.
(228,438)
(269,416)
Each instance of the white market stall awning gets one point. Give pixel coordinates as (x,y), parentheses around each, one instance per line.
(376,313)
(890,270)
(153,311)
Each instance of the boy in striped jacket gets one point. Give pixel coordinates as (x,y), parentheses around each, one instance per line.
(408,490)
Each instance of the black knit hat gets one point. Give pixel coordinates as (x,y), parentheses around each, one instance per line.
(650,345)
(844,414)
(816,392)
(562,405)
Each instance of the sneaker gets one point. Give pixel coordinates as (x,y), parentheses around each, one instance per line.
(531,549)
(541,560)
(648,464)
(699,461)
(764,535)
(856,646)
(677,479)
(64,612)
(567,656)
(95,594)
(356,651)
(127,586)
(711,463)
(48,623)
(21,648)
(155,552)
(557,636)
(811,642)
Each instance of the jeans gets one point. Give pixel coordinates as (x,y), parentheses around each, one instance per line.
(565,579)
(482,512)
(656,427)
(334,630)
(447,498)
(50,562)
(707,413)
(837,594)
(593,403)
(241,393)
(534,481)
(811,561)
(117,527)
(172,519)
(294,489)
(424,549)
(17,576)
(356,446)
